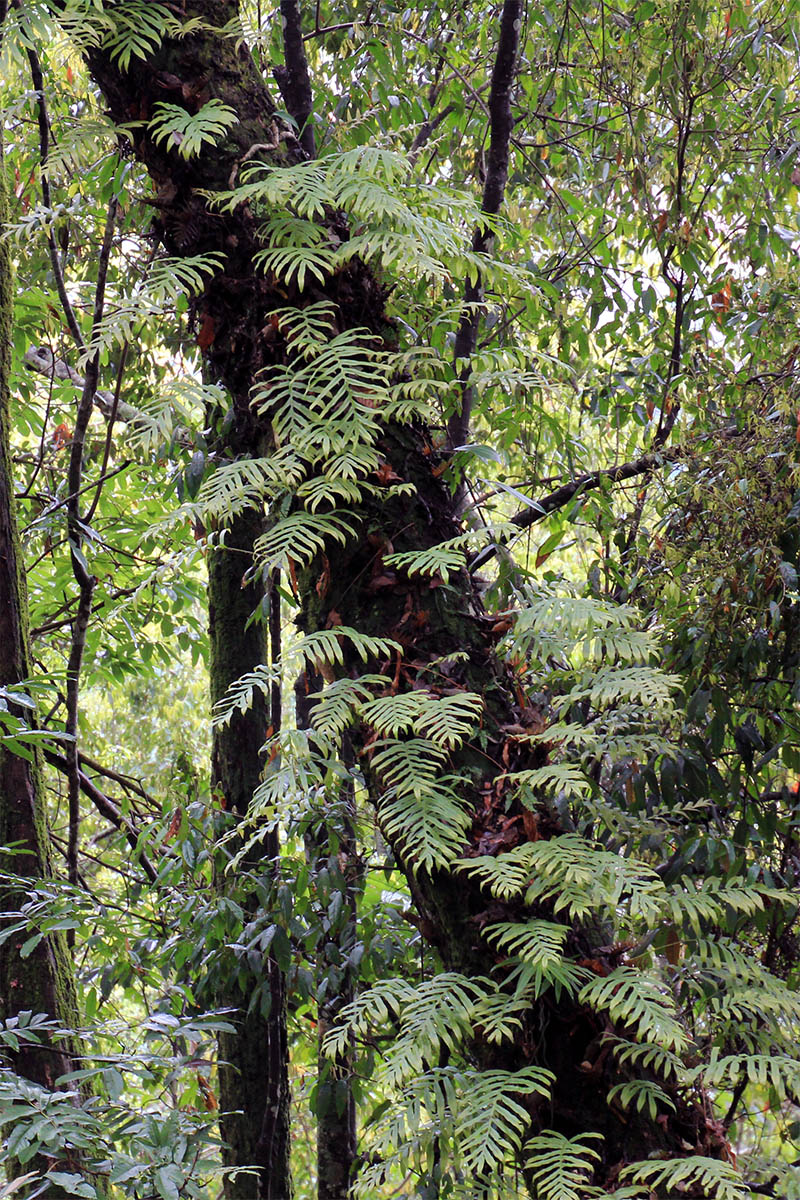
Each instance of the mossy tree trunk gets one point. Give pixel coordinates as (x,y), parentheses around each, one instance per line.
(42,981)
(449,622)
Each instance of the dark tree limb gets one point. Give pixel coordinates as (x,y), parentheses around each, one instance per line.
(293,78)
(44,154)
(85,581)
(562,496)
(501,123)
(106,808)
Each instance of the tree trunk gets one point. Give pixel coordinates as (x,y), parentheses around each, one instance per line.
(42,981)
(253,1078)
(448,621)
(338,878)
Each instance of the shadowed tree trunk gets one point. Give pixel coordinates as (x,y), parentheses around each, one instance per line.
(448,621)
(253,1078)
(41,981)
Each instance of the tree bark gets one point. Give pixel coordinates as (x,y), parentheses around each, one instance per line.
(448,621)
(42,981)
(253,1077)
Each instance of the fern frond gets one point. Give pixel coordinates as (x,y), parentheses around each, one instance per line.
(443,559)
(446,720)
(719,1180)
(560,1167)
(299,537)
(333,709)
(246,483)
(189,132)
(780,1072)
(135,30)
(490,1122)
(537,942)
(325,646)
(647,686)
(428,821)
(240,694)
(630,998)
(641,1095)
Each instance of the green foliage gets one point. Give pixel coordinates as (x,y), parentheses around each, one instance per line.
(189,132)
(643,268)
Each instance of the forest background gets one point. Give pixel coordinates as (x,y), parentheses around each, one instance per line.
(399,600)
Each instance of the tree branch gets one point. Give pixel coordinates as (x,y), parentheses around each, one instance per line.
(106,807)
(44,153)
(584,483)
(42,359)
(85,581)
(293,78)
(501,124)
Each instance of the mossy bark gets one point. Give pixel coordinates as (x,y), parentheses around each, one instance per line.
(41,982)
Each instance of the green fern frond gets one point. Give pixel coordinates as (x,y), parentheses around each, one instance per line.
(446,720)
(719,1180)
(631,998)
(443,559)
(563,779)
(303,187)
(647,1057)
(293,264)
(189,132)
(714,900)
(641,1095)
(135,29)
(321,489)
(246,483)
(429,821)
(647,686)
(559,1167)
(240,694)
(325,646)
(299,537)
(537,942)
(780,1072)
(167,281)
(490,1122)
(333,709)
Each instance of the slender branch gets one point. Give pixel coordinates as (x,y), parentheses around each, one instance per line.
(426,131)
(86,581)
(106,807)
(112,416)
(501,124)
(584,483)
(293,78)
(87,487)
(127,782)
(42,359)
(44,155)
